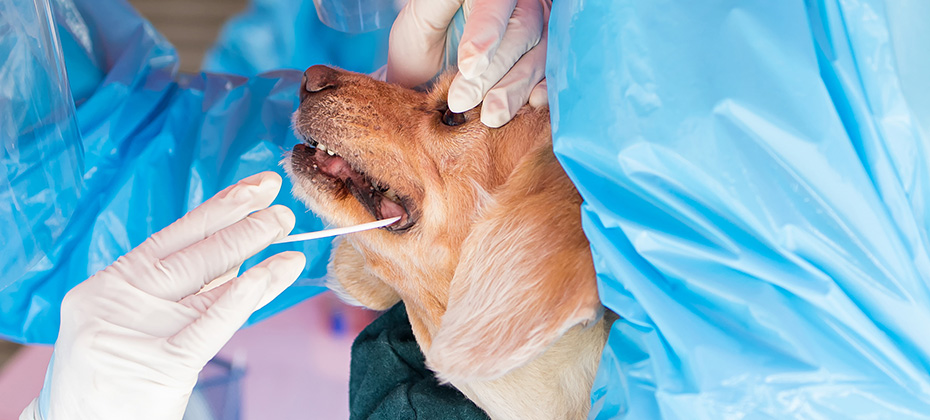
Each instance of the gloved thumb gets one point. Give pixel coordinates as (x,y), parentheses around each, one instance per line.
(206,335)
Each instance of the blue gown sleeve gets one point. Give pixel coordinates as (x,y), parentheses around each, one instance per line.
(755,177)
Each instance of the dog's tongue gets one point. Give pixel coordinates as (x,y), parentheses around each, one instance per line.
(337,167)
(391,209)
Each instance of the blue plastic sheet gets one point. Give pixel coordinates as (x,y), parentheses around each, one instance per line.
(40,147)
(755,177)
(156,144)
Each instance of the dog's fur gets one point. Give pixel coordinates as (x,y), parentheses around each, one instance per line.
(496,273)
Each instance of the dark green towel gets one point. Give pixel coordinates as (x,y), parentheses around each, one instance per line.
(389,380)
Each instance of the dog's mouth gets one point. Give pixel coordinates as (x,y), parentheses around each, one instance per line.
(320,162)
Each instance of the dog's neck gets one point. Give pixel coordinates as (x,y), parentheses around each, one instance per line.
(423,287)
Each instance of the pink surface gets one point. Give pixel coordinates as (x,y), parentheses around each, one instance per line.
(296,367)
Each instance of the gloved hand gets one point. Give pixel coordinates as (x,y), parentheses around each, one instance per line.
(134,336)
(501,55)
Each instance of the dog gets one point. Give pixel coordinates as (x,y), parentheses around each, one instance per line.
(488,255)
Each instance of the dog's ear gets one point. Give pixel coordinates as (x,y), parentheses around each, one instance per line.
(525,276)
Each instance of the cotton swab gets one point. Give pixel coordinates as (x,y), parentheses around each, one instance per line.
(337,231)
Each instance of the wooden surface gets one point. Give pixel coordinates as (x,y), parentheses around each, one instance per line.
(191,25)
(7,350)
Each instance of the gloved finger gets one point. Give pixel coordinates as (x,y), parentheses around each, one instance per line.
(507,97)
(280,263)
(284,272)
(205,336)
(512,92)
(119,303)
(417,41)
(523,33)
(223,209)
(200,302)
(186,271)
(380,74)
(539,97)
(221,280)
(486,26)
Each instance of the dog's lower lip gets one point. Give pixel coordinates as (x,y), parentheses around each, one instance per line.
(398,228)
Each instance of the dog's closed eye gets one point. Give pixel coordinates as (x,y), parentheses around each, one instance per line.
(453,119)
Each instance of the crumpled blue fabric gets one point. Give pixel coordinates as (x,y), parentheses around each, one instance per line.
(755,177)
(287,34)
(156,144)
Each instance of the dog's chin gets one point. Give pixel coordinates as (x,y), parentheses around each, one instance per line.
(327,179)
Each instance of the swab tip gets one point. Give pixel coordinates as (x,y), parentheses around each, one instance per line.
(338,231)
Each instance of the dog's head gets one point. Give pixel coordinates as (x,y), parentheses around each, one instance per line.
(489,255)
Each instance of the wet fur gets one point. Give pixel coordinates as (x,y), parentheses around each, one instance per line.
(496,274)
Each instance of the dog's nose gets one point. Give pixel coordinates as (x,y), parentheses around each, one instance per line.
(317,78)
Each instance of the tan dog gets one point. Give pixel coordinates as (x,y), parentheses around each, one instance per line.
(489,256)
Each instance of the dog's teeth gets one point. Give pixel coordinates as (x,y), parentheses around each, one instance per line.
(390,194)
(321,146)
(331,153)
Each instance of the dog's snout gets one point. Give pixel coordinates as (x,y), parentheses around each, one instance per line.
(317,78)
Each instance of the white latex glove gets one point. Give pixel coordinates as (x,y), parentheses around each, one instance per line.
(135,336)
(501,55)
